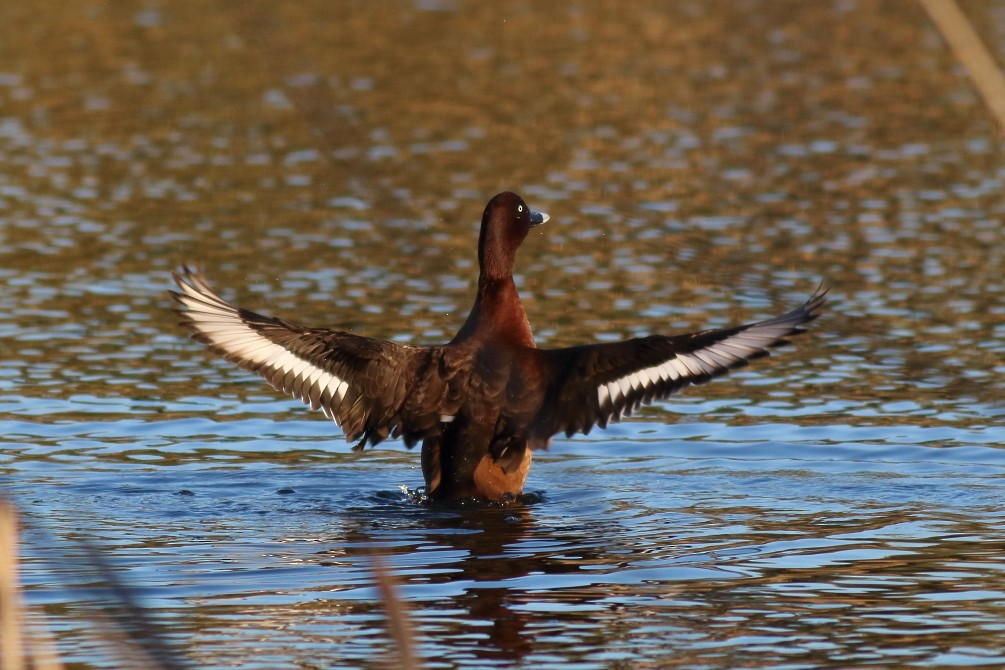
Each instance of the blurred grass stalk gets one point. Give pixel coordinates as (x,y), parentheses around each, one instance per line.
(22,647)
(10,600)
(137,642)
(970,51)
(399,625)
(28,645)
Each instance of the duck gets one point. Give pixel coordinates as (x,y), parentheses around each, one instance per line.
(484,402)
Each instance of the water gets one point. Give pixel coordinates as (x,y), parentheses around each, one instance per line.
(704,163)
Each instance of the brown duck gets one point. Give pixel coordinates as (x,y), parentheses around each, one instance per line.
(481,403)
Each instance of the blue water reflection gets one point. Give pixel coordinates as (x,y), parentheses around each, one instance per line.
(837,505)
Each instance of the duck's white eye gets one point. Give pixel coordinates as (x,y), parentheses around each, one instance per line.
(519,208)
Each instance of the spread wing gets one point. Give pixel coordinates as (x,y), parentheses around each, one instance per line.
(596,384)
(360,383)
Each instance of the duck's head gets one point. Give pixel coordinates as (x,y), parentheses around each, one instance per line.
(505,224)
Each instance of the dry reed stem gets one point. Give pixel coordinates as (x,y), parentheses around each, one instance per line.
(21,644)
(398,624)
(11,640)
(970,51)
(42,648)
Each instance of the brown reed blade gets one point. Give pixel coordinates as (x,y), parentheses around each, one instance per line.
(11,640)
(970,51)
(399,626)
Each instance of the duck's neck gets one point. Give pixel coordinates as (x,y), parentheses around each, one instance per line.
(497,315)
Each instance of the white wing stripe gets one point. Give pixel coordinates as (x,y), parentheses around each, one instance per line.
(314,382)
(709,358)
(298,366)
(714,358)
(198,303)
(223,328)
(693,364)
(249,345)
(724,358)
(735,348)
(272,356)
(241,343)
(653,374)
(286,361)
(615,390)
(332,389)
(217,327)
(602,395)
(679,368)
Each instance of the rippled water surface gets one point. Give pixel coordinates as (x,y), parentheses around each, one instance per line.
(837,505)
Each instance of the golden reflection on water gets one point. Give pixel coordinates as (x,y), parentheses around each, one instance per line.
(703,162)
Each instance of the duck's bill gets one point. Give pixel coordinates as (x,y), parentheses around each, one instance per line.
(537,218)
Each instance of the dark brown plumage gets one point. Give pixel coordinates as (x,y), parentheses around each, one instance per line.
(482,402)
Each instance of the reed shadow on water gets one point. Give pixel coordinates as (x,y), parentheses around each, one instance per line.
(123,630)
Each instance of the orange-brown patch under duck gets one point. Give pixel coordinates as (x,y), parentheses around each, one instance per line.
(484,401)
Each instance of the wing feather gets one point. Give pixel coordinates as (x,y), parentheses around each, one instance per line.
(360,383)
(600,383)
